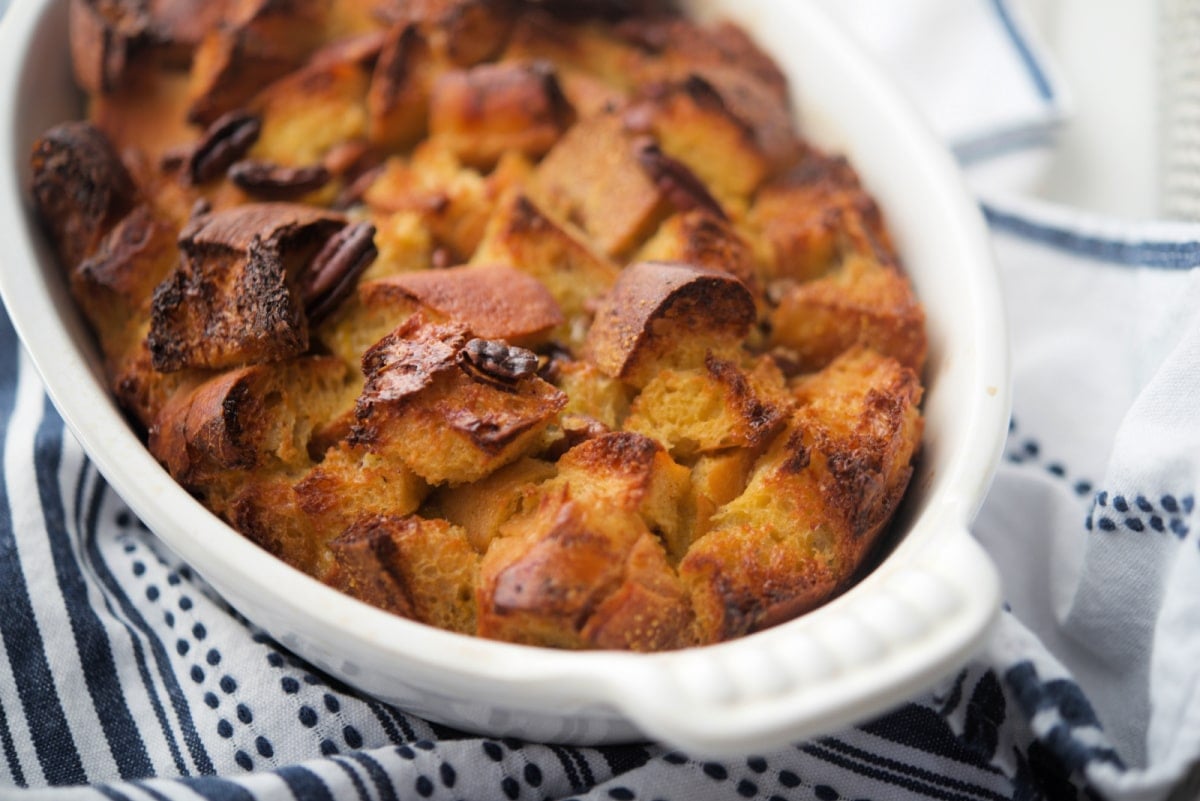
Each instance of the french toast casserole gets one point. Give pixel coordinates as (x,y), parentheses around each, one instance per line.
(537,321)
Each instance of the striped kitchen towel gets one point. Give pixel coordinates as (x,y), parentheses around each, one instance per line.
(123,676)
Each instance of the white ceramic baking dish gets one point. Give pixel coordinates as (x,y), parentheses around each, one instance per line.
(917,615)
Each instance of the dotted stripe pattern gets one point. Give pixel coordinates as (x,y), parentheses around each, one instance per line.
(1138,513)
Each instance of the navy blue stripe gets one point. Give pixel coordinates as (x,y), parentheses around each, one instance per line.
(1164,255)
(304,784)
(150,791)
(95,652)
(215,788)
(359,787)
(1024,51)
(911,770)
(1001,143)
(568,762)
(110,793)
(161,658)
(52,740)
(10,749)
(880,775)
(135,638)
(383,783)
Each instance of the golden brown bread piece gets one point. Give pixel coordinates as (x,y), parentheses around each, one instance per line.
(417,568)
(256,419)
(451,407)
(494,301)
(316,237)
(492,109)
(572,576)
(720,405)
(525,237)
(662,314)
(815,502)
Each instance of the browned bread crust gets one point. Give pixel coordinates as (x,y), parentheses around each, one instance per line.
(530,319)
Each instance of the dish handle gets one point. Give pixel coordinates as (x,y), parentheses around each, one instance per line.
(888,638)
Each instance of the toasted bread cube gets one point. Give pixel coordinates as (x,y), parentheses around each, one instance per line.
(421,569)
(815,214)
(594,178)
(718,478)
(494,301)
(628,472)
(462,32)
(706,240)
(709,409)
(491,109)
(428,404)
(863,302)
(114,286)
(661,315)
(584,49)
(147,113)
(352,482)
(521,235)
(483,508)
(726,127)
(307,112)
(571,577)
(80,188)
(816,501)
(591,393)
(398,98)
(255,419)
(452,201)
(405,244)
(679,47)
(266,510)
(233,299)
(261,40)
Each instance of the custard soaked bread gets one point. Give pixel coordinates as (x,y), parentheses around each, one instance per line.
(537,321)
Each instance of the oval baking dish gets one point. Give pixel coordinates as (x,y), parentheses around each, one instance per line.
(913,618)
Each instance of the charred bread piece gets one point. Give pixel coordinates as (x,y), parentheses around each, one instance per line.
(815,502)
(662,314)
(398,97)
(452,407)
(108,39)
(240,290)
(571,576)
(492,109)
(80,188)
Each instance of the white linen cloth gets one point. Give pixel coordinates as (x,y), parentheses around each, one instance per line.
(123,677)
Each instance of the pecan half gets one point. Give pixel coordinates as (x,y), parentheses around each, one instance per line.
(223,143)
(495,360)
(335,269)
(675,179)
(270,181)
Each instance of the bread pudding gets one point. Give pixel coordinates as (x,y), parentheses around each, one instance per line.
(538,321)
